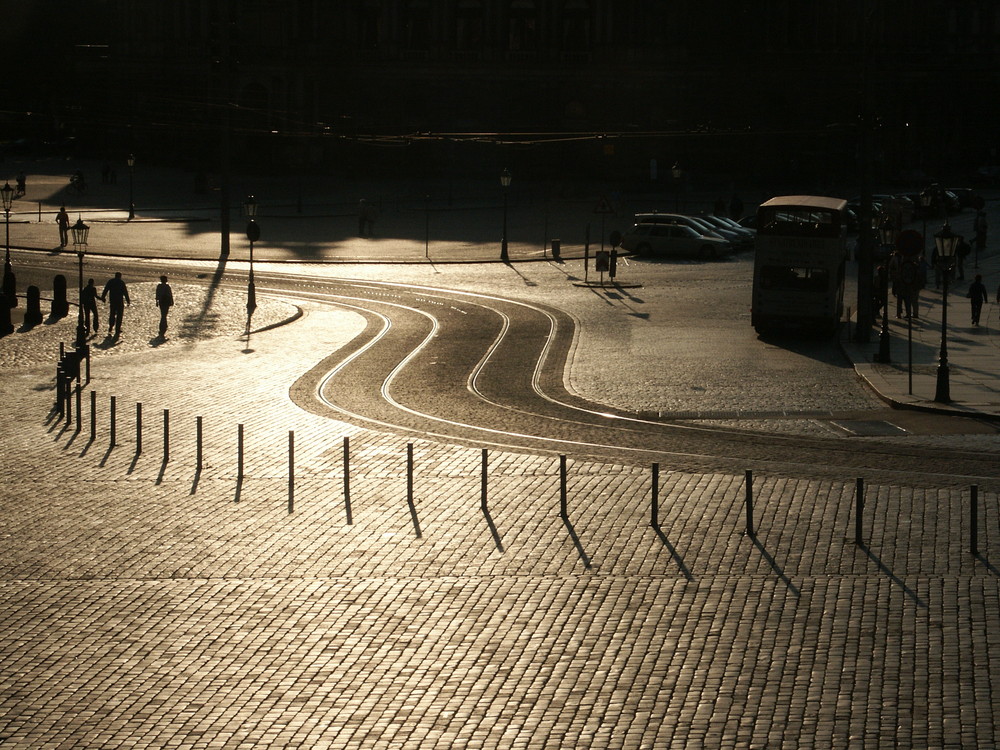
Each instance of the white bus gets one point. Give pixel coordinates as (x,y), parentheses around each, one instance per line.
(798,274)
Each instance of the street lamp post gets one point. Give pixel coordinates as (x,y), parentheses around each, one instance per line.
(505,182)
(9,280)
(131,186)
(80,232)
(888,233)
(946,242)
(253,234)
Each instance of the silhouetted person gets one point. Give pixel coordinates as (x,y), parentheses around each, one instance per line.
(164,301)
(116,290)
(22,182)
(89,299)
(62,219)
(977,293)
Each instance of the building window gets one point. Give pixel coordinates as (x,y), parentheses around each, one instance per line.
(469,26)
(522,26)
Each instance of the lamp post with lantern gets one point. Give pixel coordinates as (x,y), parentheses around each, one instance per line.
(505,183)
(80,234)
(946,241)
(9,280)
(253,234)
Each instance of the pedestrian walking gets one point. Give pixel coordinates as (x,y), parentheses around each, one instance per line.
(22,183)
(89,298)
(977,294)
(116,293)
(62,219)
(164,301)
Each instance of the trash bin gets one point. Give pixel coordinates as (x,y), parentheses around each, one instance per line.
(556,248)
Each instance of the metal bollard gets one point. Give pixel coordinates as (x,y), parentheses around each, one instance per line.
(239,452)
(562,487)
(113,420)
(291,471)
(198,433)
(974,519)
(859,504)
(138,428)
(748,481)
(93,415)
(482,482)
(347,480)
(166,435)
(654,519)
(409,473)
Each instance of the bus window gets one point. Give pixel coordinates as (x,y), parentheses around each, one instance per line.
(794,279)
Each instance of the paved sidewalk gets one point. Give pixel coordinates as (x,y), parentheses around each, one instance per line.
(909,380)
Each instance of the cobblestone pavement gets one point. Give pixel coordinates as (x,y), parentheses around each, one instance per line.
(163,591)
(149,601)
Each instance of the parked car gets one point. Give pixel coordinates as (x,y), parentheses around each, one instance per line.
(672,240)
(743,239)
(695,223)
(967,197)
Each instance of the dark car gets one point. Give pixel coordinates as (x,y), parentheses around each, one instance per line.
(967,197)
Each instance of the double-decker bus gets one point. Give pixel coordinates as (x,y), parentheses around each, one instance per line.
(801,255)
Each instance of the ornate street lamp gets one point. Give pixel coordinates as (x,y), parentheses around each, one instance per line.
(80,233)
(505,182)
(131,186)
(888,232)
(253,234)
(9,280)
(946,242)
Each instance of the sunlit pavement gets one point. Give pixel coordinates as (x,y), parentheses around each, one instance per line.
(157,595)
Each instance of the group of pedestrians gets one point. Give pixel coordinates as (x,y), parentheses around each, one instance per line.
(116,294)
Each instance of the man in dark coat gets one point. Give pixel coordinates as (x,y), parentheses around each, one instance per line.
(118,292)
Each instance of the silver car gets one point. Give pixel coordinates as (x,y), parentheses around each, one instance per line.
(673,240)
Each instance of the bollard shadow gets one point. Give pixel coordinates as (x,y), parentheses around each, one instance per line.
(86,447)
(674,554)
(163,470)
(107,455)
(525,279)
(413,517)
(576,542)
(239,488)
(194,484)
(987,564)
(493,529)
(892,576)
(774,565)
(135,461)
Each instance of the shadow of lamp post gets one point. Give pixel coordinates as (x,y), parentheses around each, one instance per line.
(80,233)
(946,242)
(253,234)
